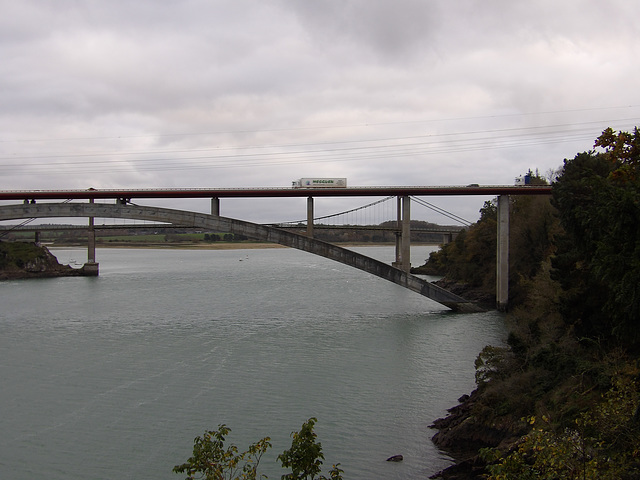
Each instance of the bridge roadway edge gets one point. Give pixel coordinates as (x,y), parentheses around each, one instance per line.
(252,230)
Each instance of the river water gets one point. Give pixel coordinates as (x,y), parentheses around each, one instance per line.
(113,377)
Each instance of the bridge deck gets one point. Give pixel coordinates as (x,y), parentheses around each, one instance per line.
(274,192)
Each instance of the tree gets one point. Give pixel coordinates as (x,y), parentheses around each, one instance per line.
(212,461)
(569,360)
(598,258)
(305,456)
(572,363)
(601,444)
(489,211)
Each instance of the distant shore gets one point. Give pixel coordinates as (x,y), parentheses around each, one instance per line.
(217,245)
(183,246)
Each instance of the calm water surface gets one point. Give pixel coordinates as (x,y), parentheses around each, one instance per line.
(113,377)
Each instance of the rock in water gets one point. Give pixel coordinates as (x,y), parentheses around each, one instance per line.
(28,260)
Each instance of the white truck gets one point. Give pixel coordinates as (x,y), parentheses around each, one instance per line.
(320,183)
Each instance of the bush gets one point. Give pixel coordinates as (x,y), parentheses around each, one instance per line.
(211,460)
(601,444)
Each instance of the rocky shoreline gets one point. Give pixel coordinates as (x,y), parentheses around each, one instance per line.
(29,260)
(461,435)
(64,271)
(478,296)
(486,300)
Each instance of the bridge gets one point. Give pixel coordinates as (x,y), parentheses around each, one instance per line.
(36,204)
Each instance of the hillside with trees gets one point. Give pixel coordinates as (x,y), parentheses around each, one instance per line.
(561,400)
(28,260)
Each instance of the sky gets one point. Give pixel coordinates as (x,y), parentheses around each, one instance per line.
(239,93)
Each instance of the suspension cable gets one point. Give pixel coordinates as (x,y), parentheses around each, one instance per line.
(342,213)
(441,211)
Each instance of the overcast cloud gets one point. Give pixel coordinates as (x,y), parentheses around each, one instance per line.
(238,93)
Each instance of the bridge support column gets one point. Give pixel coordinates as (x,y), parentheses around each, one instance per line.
(403,239)
(215,206)
(310,217)
(502,254)
(398,232)
(91,267)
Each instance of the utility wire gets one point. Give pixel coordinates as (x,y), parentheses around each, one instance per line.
(285,154)
(559,130)
(320,127)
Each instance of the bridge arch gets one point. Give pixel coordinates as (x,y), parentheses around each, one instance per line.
(252,230)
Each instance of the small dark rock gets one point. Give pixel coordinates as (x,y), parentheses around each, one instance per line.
(464,470)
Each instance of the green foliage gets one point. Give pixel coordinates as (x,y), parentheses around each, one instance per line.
(622,149)
(603,443)
(18,253)
(470,258)
(598,258)
(212,461)
(575,327)
(489,211)
(305,456)
(489,362)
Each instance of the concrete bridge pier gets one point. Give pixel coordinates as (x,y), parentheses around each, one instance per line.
(310,217)
(91,267)
(215,206)
(403,238)
(502,254)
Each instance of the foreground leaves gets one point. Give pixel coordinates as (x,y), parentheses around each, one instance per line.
(305,456)
(212,460)
(604,443)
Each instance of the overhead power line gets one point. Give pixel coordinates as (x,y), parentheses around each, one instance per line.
(430,139)
(250,156)
(320,127)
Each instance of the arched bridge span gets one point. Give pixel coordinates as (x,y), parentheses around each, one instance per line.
(252,230)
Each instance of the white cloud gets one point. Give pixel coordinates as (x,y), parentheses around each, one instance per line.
(238,93)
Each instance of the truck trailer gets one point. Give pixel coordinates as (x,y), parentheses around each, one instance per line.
(320,183)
